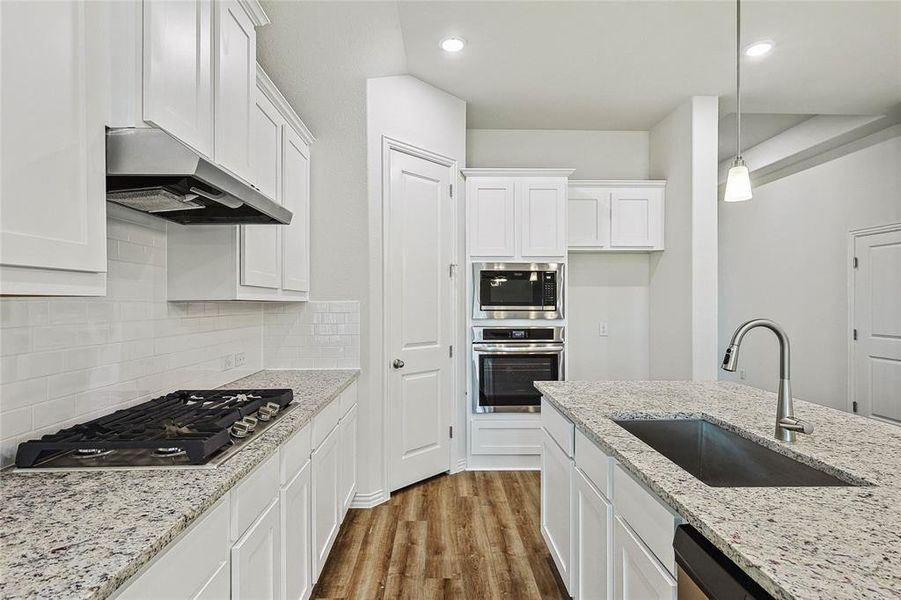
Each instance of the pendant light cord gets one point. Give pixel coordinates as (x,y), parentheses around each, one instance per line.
(738,78)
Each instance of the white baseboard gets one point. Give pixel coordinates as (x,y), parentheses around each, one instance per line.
(501,462)
(460,466)
(370,500)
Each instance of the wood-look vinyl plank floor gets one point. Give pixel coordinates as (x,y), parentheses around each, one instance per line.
(470,536)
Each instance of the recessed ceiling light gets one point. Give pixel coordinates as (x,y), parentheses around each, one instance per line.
(452,44)
(758,48)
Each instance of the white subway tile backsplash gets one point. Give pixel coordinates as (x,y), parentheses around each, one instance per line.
(66,360)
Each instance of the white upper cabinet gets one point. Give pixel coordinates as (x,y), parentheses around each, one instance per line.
(516,213)
(296,198)
(261,252)
(543,217)
(178,75)
(618,216)
(254,262)
(235,88)
(54,74)
(491,216)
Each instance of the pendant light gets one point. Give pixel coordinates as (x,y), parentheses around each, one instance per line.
(738,183)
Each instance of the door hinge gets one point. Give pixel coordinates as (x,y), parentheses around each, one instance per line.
(854,334)
(451,190)
(450,352)
(854,262)
(451,270)
(854,406)
(450,431)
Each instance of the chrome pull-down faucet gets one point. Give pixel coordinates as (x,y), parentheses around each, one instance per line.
(786,423)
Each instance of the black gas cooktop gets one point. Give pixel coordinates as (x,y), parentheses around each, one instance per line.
(184,428)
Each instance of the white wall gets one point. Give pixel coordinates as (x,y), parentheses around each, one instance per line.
(784,256)
(683,278)
(405,109)
(611,287)
(593,154)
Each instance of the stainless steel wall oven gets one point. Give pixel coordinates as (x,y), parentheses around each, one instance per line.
(507,361)
(517,291)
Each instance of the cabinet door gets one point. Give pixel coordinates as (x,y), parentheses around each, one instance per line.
(256,561)
(491,217)
(261,251)
(55,79)
(588,218)
(637,575)
(324,488)
(542,207)
(235,87)
(348,449)
(296,198)
(178,80)
(294,498)
(556,509)
(592,520)
(635,218)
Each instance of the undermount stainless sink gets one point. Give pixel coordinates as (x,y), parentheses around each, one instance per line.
(721,458)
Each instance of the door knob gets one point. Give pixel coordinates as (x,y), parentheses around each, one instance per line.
(398,363)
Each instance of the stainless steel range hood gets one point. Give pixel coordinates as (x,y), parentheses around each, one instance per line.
(150,171)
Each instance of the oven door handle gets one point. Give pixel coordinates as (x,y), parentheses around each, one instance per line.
(521,349)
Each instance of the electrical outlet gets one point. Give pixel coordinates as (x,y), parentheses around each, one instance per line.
(240,359)
(228,362)
(602,329)
(741,374)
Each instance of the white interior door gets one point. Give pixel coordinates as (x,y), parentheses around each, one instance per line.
(877,319)
(419,315)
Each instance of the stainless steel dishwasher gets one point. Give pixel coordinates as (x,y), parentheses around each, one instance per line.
(706,573)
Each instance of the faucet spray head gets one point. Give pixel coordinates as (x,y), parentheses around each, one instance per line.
(730,359)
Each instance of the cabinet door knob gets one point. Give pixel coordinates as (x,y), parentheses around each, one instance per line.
(398,363)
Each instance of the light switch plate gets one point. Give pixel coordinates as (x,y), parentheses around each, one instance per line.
(602,329)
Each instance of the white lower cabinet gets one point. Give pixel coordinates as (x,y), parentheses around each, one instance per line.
(196,565)
(294,500)
(326,515)
(256,559)
(556,505)
(637,573)
(609,535)
(592,520)
(348,469)
(270,536)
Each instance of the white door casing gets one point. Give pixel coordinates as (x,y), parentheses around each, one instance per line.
(419,316)
(876,316)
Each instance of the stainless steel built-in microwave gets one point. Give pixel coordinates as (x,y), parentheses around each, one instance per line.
(517,291)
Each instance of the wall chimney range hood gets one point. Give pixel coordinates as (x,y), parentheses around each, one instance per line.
(149,170)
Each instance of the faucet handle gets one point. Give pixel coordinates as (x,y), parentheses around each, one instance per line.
(794,424)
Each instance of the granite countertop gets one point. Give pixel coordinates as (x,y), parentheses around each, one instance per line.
(77,535)
(803,542)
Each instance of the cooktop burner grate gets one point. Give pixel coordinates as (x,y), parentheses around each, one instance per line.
(187,423)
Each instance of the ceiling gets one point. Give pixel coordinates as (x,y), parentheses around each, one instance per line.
(755,128)
(625,65)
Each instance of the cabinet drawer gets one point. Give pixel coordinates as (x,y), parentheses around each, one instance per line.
(654,522)
(558,427)
(253,494)
(348,398)
(325,421)
(594,463)
(295,453)
(506,436)
(191,566)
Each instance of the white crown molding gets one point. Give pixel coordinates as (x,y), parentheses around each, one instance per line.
(632,183)
(255,10)
(516,172)
(276,97)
